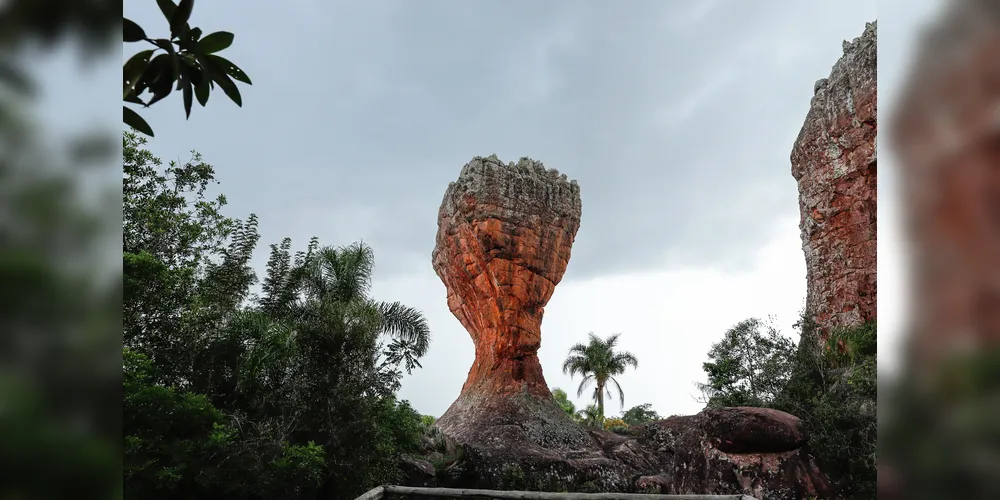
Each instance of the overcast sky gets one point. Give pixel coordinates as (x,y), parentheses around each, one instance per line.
(677,119)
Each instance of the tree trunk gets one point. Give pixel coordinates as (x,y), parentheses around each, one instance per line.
(600,397)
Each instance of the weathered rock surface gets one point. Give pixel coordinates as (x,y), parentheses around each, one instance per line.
(724,451)
(505,233)
(945,138)
(754,451)
(503,243)
(834,162)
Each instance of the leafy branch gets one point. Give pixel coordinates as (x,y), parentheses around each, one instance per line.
(186,62)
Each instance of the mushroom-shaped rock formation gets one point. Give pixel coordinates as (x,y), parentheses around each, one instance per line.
(503,243)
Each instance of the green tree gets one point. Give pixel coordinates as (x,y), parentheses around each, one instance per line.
(591,416)
(641,414)
(834,391)
(178,444)
(188,61)
(748,367)
(598,362)
(308,369)
(562,399)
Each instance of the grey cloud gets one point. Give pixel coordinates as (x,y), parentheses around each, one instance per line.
(676,119)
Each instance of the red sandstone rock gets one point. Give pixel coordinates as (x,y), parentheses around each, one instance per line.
(745,429)
(504,238)
(945,139)
(735,450)
(503,243)
(834,162)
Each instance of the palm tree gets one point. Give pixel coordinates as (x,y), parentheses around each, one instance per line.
(598,362)
(338,280)
(591,415)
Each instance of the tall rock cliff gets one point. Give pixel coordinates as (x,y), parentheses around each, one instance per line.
(945,136)
(834,162)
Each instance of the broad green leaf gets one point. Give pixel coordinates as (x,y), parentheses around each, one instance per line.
(133,69)
(132,119)
(159,77)
(181,15)
(219,76)
(201,87)
(185,83)
(167,7)
(132,32)
(230,69)
(215,42)
(229,88)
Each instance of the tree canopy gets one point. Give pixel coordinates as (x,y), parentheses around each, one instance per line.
(288,392)
(749,366)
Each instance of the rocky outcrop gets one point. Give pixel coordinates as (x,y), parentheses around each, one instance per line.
(503,243)
(754,451)
(751,451)
(834,162)
(505,232)
(944,134)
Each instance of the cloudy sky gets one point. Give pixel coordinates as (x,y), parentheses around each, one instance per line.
(677,119)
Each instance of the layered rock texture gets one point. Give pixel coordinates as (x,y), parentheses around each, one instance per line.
(503,243)
(505,233)
(834,162)
(945,137)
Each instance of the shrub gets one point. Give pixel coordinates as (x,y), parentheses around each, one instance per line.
(615,425)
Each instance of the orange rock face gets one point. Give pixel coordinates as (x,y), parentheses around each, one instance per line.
(945,137)
(503,243)
(834,162)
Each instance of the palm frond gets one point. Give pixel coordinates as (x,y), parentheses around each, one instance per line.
(405,324)
(587,379)
(621,394)
(621,360)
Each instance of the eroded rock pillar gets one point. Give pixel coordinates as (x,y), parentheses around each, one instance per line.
(503,243)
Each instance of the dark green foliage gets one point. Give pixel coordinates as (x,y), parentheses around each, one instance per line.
(590,416)
(642,414)
(562,399)
(834,392)
(188,62)
(598,362)
(939,432)
(832,389)
(60,421)
(228,395)
(748,367)
(177,444)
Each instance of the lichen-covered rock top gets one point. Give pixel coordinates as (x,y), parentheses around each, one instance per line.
(538,205)
(834,161)
(515,192)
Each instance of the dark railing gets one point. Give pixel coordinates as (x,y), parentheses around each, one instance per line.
(406,492)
